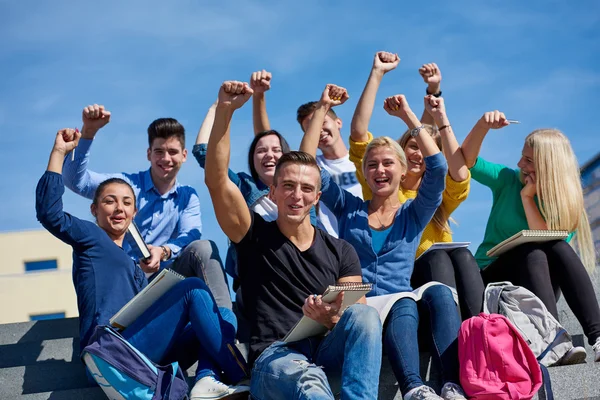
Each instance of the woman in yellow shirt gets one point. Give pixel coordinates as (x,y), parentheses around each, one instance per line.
(456,268)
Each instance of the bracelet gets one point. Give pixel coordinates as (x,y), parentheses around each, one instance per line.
(443,127)
(165,253)
(438,94)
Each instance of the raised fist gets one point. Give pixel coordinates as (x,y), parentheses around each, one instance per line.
(397,106)
(385,62)
(260,81)
(234,94)
(431,74)
(94,117)
(494,120)
(334,95)
(435,107)
(66,140)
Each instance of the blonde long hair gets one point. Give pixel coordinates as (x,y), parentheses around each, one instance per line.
(441,217)
(558,186)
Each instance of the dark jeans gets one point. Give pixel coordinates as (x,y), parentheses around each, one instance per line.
(457,269)
(546,269)
(185,325)
(400,339)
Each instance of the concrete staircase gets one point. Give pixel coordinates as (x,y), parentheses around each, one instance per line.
(39,361)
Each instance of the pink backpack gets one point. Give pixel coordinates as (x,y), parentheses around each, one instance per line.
(495,361)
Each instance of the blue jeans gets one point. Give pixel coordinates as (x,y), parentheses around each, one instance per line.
(185,325)
(310,368)
(400,338)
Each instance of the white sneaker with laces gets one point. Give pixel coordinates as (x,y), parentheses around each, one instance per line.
(209,388)
(576,355)
(596,348)
(422,393)
(452,391)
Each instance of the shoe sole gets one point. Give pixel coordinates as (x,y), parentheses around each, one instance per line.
(576,358)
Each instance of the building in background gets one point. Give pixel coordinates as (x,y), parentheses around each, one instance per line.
(35,277)
(590,176)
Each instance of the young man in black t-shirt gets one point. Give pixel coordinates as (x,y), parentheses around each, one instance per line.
(281,265)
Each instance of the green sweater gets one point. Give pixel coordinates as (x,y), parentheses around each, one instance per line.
(507,216)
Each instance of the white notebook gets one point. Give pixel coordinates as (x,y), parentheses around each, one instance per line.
(308,327)
(161,284)
(138,240)
(525,236)
(444,246)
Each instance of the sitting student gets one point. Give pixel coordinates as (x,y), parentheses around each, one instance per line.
(281,265)
(456,268)
(386,234)
(334,154)
(184,325)
(168,213)
(544,193)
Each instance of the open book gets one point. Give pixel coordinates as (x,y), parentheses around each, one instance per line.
(383,304)
(308,327)
(526,236)
(160,285)
(444,246)
(138,241)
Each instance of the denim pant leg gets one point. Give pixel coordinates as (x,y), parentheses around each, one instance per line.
(352,350)
(284,371)
(201,259)
(401,343)
(156,332)
(438,303)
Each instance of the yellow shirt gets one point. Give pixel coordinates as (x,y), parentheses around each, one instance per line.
(454,194)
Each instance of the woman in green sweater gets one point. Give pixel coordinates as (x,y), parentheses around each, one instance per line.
(543,193)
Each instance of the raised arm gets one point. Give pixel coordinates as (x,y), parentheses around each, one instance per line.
(472,143)
(332,96)
(397,106)
(77,176)
(260,82)
(230,207)
(207,124)
(435,107)
(382,63)
(432,76)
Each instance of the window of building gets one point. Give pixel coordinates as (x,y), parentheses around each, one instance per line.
(42,265)
(43,317)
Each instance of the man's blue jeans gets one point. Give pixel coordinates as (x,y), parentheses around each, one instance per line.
(400,338)
(313,368)
(185,325)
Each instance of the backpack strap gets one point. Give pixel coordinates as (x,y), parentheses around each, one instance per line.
(551,345)
(545,373)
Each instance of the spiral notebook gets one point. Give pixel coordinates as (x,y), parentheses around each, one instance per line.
(308,327)
(161,284)
(525,236)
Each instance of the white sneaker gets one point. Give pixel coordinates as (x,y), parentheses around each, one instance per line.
(452,391)
(576,355)
(596,348)
(422,393)
(209,388)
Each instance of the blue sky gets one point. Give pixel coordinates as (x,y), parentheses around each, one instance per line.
(538,61)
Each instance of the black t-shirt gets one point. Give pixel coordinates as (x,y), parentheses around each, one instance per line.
(276,277)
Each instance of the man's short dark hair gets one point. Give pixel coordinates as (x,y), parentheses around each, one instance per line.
(166,128)
(298,158)
(308,108)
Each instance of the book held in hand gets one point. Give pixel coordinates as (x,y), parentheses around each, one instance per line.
(444,246)
(526,236)
(308,327)
(138,241)
(161,284)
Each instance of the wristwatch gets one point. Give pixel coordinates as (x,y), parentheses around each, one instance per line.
(165,254)
(415,131)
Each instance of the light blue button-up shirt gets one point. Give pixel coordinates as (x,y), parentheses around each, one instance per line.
(171,219)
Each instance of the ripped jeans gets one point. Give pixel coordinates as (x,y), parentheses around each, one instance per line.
(314,368)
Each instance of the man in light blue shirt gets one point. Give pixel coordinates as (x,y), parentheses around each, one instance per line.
(168,213)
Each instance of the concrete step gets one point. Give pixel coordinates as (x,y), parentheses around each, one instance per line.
(38,331)
(94,393)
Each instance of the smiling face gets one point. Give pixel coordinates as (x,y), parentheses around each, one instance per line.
(114,209)
(414,158)
(166,157)
(526,164)
(330,131)
(296,191)
(383,171)
(266,153)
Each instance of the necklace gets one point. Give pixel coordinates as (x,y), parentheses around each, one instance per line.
(386,216)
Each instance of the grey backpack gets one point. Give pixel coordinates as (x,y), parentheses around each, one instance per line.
(548,340)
